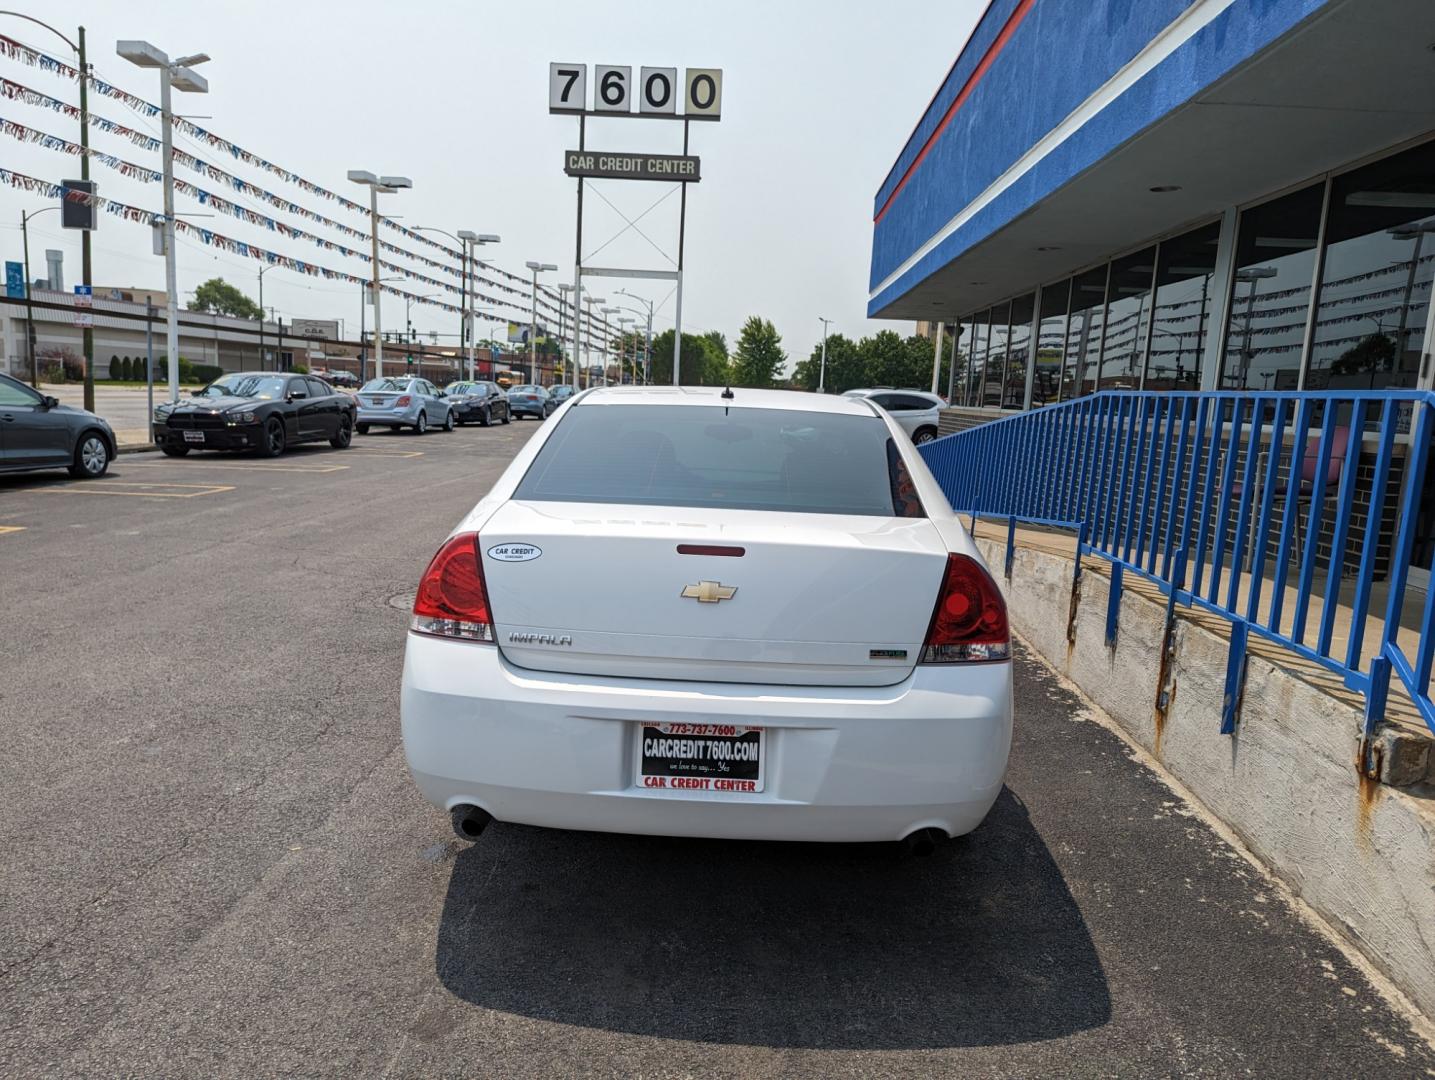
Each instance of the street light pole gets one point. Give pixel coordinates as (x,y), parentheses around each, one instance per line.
(537,269)
(590,300)
(822,371)
(178,74)
(262,271)
(564,288)
(29,300)
(648,340)
(387,185)
(608,344)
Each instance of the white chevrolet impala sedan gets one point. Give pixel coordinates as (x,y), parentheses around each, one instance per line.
(701,612)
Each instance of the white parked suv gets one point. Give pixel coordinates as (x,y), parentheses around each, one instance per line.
(792,637)
(916,410)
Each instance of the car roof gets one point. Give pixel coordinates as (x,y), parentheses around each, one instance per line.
(742,397)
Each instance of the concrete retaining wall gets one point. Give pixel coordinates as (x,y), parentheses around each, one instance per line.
(1360,853)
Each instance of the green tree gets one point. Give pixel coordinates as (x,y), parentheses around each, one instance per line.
(219,297)
(704,359)
(1373,353)
(844,367)
(759,358)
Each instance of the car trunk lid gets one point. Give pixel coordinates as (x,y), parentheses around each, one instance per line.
(648,592)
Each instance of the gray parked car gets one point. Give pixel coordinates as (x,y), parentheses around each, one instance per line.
(403,401)
(37,432)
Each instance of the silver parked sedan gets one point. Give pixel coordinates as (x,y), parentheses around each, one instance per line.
(401,402)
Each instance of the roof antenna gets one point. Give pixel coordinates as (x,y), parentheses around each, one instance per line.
(728,394)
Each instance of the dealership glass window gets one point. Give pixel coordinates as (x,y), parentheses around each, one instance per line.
(1083,332)
(1128,311)
(1375,285)
(976,361)
(997,355)
(1180,319)
(1050,343)
(1018,351)
(1275,260)
(961,362)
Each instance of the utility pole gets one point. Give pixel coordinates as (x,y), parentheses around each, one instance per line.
(89,332)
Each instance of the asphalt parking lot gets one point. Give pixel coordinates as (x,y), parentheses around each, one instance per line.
(215,863)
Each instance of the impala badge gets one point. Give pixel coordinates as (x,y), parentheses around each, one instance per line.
(709,592)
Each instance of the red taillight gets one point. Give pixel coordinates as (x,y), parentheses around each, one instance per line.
(405,400)
(452,601)
(969,622)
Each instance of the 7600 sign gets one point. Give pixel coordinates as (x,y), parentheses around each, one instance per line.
(655,91)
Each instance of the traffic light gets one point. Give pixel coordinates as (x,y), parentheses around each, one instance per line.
(409,360)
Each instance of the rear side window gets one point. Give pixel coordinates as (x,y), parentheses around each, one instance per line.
(732,458)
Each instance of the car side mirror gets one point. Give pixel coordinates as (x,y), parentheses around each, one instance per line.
(50,402)
(196,393)
(296,397)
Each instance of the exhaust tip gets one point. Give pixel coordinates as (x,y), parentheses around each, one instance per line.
(469,821)
(924,842)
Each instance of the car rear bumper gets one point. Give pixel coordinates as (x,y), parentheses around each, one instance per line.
(246,437)
(842,763)
(387,416)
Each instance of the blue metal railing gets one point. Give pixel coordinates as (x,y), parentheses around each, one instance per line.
(1273,510)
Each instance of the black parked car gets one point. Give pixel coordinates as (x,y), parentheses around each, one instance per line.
(480,402)
(528,400)
(557,395)
(256,410)
(37,432)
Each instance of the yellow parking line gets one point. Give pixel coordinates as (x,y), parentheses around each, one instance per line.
(11,528)
(380,452)
(106,487)
(227,465)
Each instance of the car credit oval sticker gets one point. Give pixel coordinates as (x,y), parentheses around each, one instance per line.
(514,552)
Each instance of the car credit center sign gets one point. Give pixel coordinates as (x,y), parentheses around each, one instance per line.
(631,166)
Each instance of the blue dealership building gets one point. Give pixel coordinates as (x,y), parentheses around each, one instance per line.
(1171,195)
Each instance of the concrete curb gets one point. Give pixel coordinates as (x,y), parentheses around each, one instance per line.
(136,448)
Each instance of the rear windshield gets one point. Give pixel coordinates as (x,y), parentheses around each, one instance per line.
(710,456)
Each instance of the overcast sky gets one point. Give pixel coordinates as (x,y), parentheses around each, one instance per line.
(818,99)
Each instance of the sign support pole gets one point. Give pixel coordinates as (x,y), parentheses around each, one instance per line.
(678,309)
(578,267)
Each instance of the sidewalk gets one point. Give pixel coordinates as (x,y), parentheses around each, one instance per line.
(126,408)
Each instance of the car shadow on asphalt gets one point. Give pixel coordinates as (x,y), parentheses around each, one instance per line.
(785,945)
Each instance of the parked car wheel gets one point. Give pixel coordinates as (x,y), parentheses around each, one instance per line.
(92,457)
(272,442)
(487,417)
(507,415)
(363,429)
(345,435)
(421,425)
(448,420)
(925,435)
(174,450)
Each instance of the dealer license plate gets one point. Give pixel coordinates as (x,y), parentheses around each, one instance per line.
(727,758)
(194,436)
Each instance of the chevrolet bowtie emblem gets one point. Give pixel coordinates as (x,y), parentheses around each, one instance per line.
(709,592)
